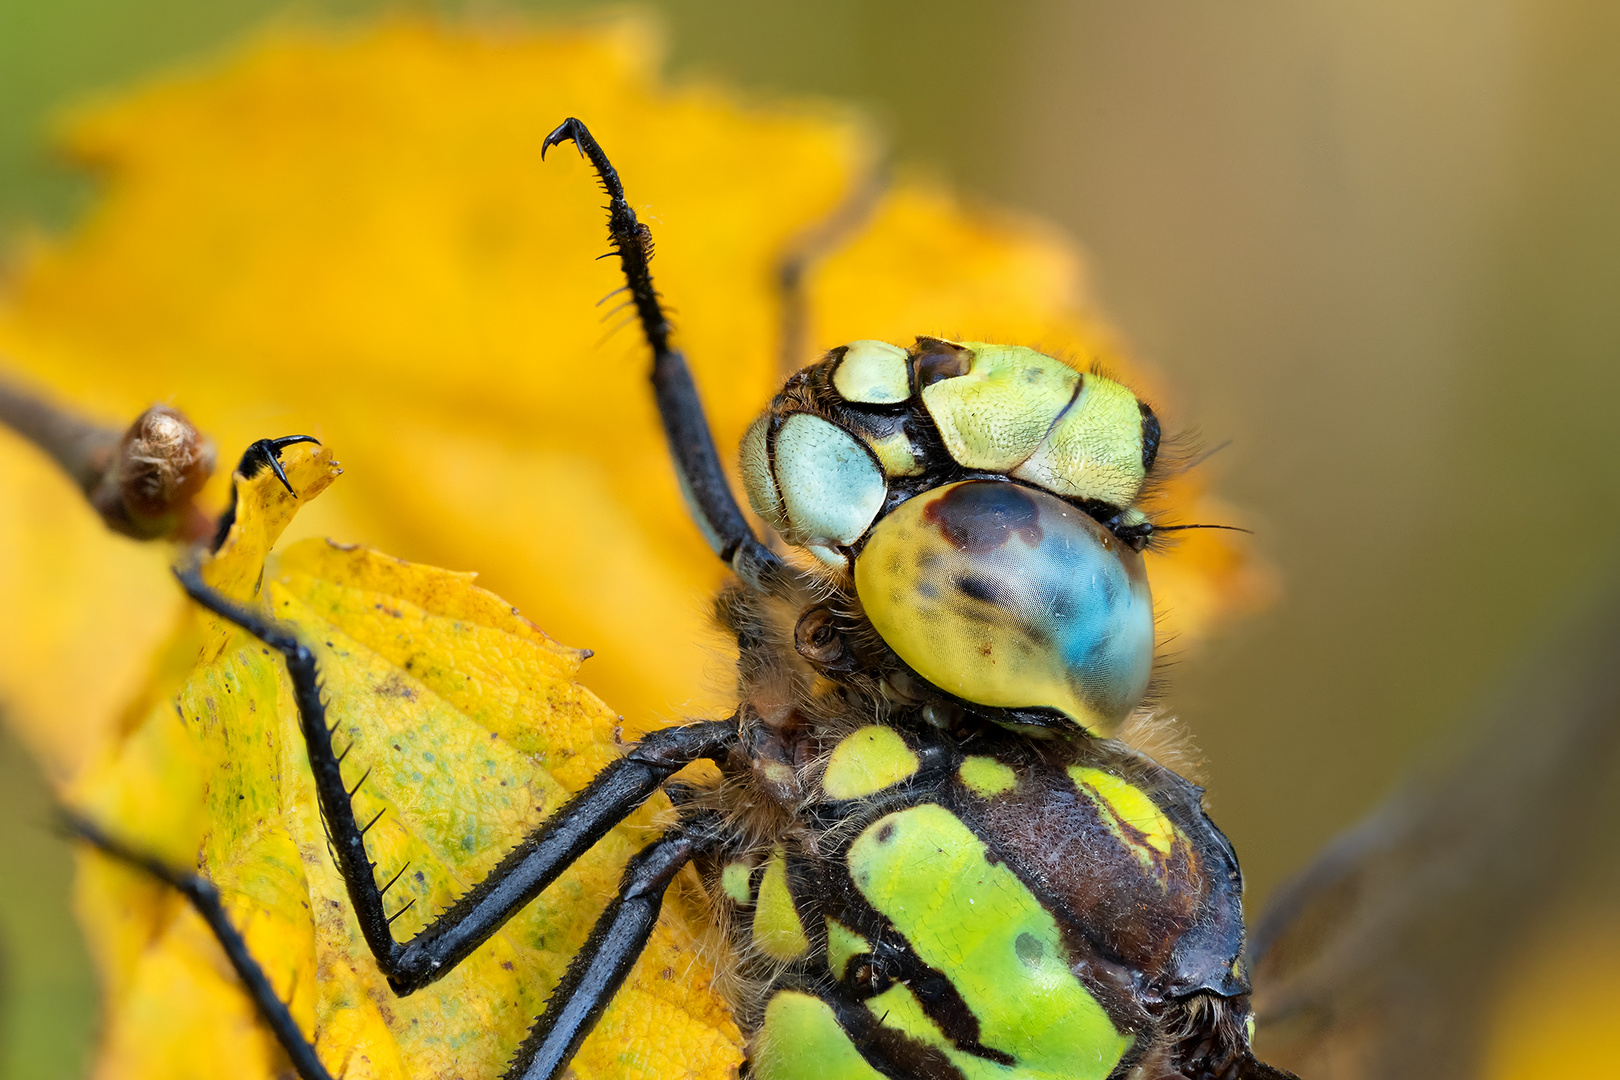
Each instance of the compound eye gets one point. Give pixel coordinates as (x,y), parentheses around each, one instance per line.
(1007,596)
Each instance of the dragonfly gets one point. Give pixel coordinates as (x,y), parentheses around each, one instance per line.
(778,843)
(931,857)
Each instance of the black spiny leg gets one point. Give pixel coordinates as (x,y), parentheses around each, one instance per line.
(204,897)
(697,464)
(599,968)
(535,863)
(525,872)
(345,833)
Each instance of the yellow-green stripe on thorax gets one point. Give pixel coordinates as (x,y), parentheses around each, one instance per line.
(927,872)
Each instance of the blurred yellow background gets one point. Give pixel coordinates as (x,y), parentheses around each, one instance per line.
(1374,247)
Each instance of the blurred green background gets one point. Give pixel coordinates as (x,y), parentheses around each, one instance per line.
(1374,244)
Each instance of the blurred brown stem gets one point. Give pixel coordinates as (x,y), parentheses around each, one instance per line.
(1380,959)
(82,448)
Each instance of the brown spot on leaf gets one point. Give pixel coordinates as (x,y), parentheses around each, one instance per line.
(395,686)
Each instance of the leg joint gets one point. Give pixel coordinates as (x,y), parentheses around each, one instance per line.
(651,869)
(669,749)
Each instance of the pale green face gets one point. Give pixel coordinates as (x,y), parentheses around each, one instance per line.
(818,485)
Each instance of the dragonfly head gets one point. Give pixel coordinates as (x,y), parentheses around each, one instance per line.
(980,501)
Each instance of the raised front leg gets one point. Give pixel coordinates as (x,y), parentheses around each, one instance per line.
(697,463)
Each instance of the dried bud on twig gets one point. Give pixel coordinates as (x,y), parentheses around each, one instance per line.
(158,468)
(143,483)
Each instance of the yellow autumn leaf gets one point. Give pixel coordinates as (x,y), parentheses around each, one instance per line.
(352,235)
(470,728)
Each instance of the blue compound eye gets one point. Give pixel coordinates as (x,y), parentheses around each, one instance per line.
(1007,596)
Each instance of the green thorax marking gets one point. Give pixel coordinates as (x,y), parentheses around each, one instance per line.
(1129,814)
(802,1040)
(986,777)
(736,881)
(842,944)
(777,931)
(975,921)
(867,761)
